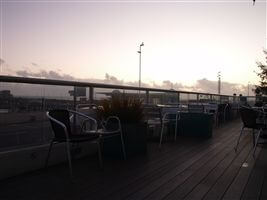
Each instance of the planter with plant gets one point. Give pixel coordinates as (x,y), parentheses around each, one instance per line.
(130,112)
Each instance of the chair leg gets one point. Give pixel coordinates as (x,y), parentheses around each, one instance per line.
(123,146)
(100,153)
(48,154)
(69,158)
(239,138)
(161,135)
(175,133)
(256,142)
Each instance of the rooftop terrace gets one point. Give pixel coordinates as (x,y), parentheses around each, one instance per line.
(190,168)
(187,169)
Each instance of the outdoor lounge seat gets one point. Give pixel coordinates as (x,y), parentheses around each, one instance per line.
(153,117)
(252,119)
(111,127)
(60,122)
(161,118)
(223,112)
(171,116)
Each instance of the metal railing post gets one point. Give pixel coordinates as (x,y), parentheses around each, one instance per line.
(74,108)
(91,94)
(147,96)
(74,97)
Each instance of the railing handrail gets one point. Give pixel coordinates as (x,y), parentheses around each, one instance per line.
(40,81)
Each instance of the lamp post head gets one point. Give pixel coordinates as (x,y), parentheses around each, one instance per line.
(142,44)
(219,75)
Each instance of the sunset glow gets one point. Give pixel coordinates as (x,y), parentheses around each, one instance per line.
(184,41)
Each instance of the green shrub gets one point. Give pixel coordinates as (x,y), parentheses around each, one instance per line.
(128,109)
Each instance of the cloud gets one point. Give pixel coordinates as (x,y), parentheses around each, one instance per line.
(112,80)
(45,74)
(227,88)
(202,85)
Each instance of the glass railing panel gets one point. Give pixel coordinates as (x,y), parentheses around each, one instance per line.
(163,98)
(215,98)
(107,93)
(251,100)
(184,98)
(193,98)
(23,121)
(230,99)
(156,97)
(23,109)
(224,99)
(170,98)
(204,98)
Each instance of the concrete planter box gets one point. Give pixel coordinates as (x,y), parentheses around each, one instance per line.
(134,135)
(196,125)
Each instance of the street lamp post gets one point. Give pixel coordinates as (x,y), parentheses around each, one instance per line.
(219,83)
(248,88)
(140,52)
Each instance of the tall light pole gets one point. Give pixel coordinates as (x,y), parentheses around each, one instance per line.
(140,52)
(248,88)
(219,82)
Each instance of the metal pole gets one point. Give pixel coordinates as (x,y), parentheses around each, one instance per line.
(248,88)
(140,52)
(74,107)
(219,83)
(91,95)
(140,67)
(147,96)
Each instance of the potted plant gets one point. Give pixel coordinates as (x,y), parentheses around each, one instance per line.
(130,112)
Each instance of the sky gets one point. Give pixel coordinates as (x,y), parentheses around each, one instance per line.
(185,42)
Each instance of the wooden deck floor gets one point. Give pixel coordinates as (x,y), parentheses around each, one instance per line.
(188,169)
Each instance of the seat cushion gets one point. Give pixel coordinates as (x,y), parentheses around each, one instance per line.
(108,133)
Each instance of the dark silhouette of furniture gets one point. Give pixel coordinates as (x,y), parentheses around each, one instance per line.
(212,108)
(223,112)
(159,117)
(171,116)
(153,118)
(111,127)
(61,125)
(252,119)
(195,108)
(195,124)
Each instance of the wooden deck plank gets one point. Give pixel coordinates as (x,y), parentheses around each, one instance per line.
(205,174)
(188,168)
(237,187)
(264,185)
(137,175)
(196,163)
(255,185)
(125,189)
(215,174)
(164,188)
(221,186)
